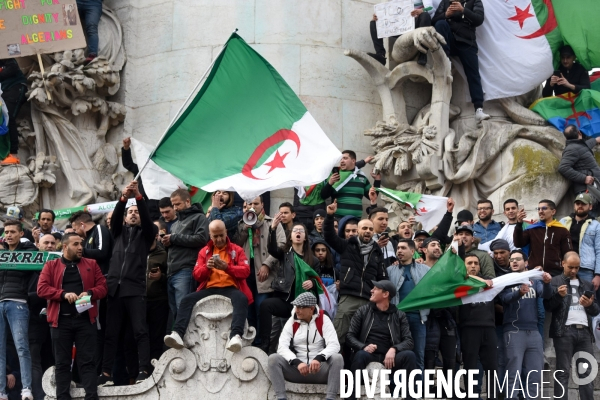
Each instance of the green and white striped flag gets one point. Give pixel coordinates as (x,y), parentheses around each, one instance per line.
(26,260)
(428,209)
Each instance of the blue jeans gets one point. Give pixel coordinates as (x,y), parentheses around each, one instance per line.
(524,355)
(90,12)
(258,299)
(418,331)
(16,316)
(179,285)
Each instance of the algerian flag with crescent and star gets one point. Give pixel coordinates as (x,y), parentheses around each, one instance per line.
(519,41)
(246,131)
(429,210)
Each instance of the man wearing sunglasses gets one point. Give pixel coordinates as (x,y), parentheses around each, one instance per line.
(549,240)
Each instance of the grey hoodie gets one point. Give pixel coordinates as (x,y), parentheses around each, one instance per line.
(188,235)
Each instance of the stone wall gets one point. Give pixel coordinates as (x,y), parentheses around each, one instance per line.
(170,43)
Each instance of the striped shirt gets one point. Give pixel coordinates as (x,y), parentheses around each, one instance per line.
(349,197)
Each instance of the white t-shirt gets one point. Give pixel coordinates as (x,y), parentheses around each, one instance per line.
(577,313)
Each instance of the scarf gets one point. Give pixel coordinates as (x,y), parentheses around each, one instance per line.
(254,232)
(365,250)
(540,224)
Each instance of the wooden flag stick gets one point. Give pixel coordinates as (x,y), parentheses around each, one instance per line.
(43,79)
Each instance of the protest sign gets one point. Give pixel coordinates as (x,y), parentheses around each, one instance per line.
(26,260)
(30,27)
(393,18)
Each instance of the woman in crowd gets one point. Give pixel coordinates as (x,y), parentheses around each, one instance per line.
(222,208)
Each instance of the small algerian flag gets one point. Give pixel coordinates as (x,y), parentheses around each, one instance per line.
(305,272)
(447,285)
(4,137)
(429,210)
(26,260)
(443,286)
(246,131)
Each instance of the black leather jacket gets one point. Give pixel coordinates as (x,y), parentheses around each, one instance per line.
(559,306)
(363,320)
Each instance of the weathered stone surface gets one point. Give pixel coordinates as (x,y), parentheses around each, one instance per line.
(356,16)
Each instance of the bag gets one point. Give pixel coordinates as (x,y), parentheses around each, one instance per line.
(329,305)
(318,322)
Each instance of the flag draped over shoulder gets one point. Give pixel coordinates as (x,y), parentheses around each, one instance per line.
(443,286)
(581,109)
(305,272)
(246,131)
(4,137)
(429,210)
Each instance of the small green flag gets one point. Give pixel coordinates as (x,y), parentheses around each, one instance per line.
(305,272)
(26,260)
(445,285)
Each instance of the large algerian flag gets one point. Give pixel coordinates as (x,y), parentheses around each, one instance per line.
(429,210)
(4,137)
(581,109)
(246,131)
(519,41)
(447,284)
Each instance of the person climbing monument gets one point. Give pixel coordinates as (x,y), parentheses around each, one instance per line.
(13,84)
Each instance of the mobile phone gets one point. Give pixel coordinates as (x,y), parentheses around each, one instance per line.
(216,257)
(588,294)
(557,73)
(384,235)
(335,170)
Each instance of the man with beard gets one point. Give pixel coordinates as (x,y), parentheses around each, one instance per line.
(465,235)
(585,237)
(405,276)
(361,263)
(432,251)
(486,228)
(379,217)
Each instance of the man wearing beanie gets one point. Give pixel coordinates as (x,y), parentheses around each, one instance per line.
(317,233)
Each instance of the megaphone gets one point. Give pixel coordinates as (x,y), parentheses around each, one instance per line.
(250,217)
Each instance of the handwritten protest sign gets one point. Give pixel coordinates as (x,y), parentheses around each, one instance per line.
(29,27)
(393,18)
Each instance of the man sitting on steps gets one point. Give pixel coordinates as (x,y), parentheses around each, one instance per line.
(221,269)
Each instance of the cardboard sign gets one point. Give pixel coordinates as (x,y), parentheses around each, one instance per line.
(29,27)
(393,18)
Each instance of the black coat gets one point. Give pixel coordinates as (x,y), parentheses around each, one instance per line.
(577,76)
(578,161)
(355,277)
(462,25)
(130,253)
(363,320)
(15,284)
(559,306)
(98,246)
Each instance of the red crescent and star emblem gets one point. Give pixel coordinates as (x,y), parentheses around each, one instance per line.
(547,27)
(278,161)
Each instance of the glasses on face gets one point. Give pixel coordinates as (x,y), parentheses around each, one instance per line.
(515,259)
(484,208)
(418,240)
(298,230)
(544,208)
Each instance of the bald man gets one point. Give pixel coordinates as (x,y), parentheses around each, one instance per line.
(572,306)
(361,263)
(221,269)
(47,243)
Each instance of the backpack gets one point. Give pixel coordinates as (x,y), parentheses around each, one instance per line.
(318,322)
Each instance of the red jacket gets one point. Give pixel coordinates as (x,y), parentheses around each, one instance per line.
(238,267)
(50,285)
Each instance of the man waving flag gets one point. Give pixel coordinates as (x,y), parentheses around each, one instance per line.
(246,131)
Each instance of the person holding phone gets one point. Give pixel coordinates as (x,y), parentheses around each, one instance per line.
(157,298)
(572,306)
(570,76)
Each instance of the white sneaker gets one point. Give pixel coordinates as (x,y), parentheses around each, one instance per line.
(480,115)
(174,340)
(234,344)
(26,394)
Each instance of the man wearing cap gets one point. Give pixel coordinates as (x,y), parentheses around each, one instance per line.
(570,76)
(521,337)
(578,164)
(419,239)
(432,250)
(465,235)
(585,237)
(486,228)
(379,332)
(301,361)
(405,276)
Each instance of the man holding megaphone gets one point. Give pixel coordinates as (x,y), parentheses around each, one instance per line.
(253,235)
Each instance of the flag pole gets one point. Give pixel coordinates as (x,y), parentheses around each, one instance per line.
(181,109)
